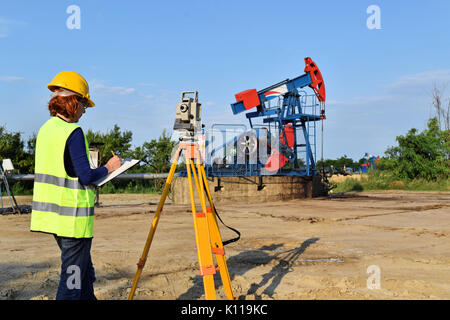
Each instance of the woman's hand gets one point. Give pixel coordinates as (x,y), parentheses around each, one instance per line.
(113,164)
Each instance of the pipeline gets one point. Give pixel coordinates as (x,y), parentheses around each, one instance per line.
(125,176)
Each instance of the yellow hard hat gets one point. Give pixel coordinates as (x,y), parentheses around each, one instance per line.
(71,81)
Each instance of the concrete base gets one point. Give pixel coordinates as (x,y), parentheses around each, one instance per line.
(251,189)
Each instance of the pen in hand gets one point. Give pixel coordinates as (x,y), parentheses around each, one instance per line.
(113,163)
(115,155)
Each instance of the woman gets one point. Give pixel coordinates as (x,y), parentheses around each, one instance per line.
(63,198)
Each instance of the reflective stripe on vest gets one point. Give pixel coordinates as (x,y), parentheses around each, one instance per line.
(57,181)
(63,211)
(61,204)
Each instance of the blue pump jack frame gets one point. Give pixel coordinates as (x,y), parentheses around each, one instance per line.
(291,112)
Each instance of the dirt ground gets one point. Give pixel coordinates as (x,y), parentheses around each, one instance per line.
(322,248)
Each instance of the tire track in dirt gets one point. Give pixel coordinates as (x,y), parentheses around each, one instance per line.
(404,210)
(314,219)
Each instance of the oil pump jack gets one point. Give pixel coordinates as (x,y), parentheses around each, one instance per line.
(289,115)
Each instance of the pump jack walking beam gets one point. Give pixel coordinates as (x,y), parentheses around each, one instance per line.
(207,235)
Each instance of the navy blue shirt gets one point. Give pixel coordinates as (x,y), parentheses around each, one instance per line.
(76,161)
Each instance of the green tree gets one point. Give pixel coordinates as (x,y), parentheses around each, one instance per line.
(29,160)
(291,166)
(421,155)
(113,140)
(157,153)
(338,163)
(12,147)
(344,161)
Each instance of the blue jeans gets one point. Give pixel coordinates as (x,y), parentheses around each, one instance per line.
(77,272)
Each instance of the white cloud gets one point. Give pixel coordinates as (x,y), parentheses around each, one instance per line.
(147,84)
(10,78)
(419,82)
(409,87)
(147,96)
(358,101)
(5,26)
(100,88)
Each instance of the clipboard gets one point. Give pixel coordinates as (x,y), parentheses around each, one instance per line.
(126,164)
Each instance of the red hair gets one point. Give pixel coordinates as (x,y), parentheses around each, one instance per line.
(66,106)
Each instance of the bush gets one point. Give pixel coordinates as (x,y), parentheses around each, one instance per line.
(377,180)
(422,155)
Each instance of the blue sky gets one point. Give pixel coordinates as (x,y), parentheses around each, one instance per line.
(139,55)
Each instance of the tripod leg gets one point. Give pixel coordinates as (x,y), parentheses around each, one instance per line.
(143,258)
(205,258)
(216,239)
(15,202)
(195,176)
(1,196)
(5,182)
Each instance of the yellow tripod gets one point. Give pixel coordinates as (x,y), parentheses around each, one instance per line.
(207,235)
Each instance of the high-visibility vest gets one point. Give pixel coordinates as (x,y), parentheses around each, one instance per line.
(61,204)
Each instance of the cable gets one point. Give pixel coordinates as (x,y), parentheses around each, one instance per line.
(224,243)
(232,229)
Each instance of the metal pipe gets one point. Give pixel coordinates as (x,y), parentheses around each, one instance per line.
(124,176)
(21,177)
